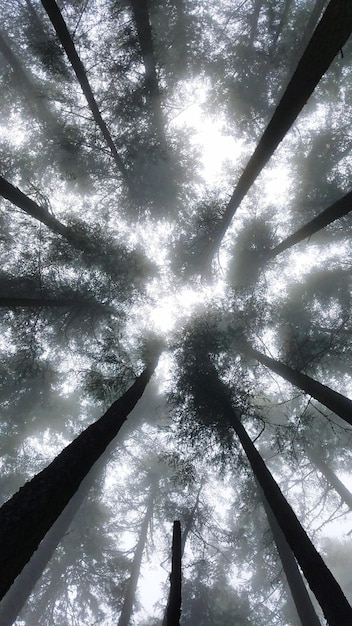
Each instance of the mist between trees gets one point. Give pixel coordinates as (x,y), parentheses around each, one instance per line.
(208,464)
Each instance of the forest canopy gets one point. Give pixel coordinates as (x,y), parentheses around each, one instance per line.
(175,309)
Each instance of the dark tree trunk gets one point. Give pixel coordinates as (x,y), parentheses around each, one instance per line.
(64,36)
(28,515)
(77,240)
(334,212)
(130,596)
(324,586)
(312,22)
(329,37)
(15,599)
(173,609)
(141,18)
(333,400)
(300,595)
(330,476)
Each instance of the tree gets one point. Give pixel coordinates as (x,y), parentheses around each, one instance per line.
(124,125)
(29,514)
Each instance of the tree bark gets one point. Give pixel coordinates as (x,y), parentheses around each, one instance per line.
(332,600)
(329,37)
(334,212)
(300,595)
(15,599)
(28,515)
(127,608)
(64,36)
(333,400)
(173,609)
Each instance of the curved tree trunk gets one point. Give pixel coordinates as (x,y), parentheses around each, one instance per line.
(64,36)
(331,598)
(333,400)
(29,514)
(300,595)
(329,37)
(130,596)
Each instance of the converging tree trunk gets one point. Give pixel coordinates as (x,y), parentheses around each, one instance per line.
(173,609)
(300,595)
(334,212)
(130,595)
(324,586)
(28,515)
(333,400)
(329,37)
(64,36)
(15,599)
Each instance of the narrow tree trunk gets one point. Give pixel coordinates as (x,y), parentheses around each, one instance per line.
(145,36)
(334,212)
(64,36)
(300,595)
(330,476)
(324,586)
(190,520)
(129,600)
(333,400)
(329,37)
(28,515)
(173,609)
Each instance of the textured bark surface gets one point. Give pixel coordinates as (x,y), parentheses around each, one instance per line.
(28,515)
(333,400)
(329,37)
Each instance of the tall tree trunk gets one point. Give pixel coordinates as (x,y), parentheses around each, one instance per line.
(336,210)
(173,609)
(141,18)
(311,24)
(130,595)
(28,515)
(77,240)
(333,400)
(64,36)
(15,599)
(300,595)
(330,476)
(335,607)
(329,37)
